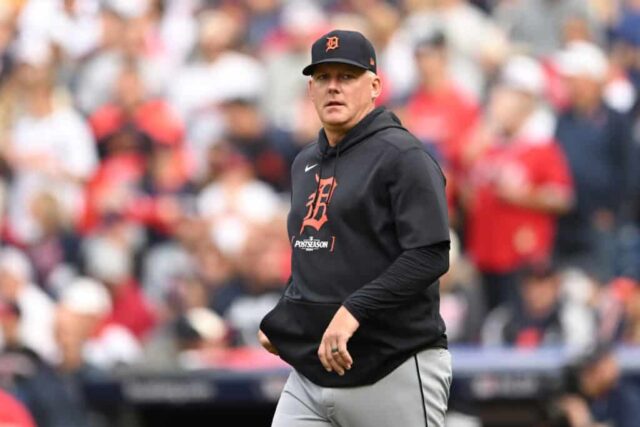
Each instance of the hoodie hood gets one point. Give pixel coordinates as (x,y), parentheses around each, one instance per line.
(377,120)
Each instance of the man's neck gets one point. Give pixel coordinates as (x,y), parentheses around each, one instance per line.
(334,136)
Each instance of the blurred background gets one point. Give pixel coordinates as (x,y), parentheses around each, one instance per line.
(145,148)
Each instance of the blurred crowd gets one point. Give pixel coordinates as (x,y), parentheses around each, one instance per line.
(145,148)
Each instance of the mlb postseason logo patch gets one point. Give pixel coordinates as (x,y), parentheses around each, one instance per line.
(310,244)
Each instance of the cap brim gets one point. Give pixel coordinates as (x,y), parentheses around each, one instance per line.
(308,70)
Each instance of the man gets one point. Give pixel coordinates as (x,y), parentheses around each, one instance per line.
(439,112)
(517,183)
(359,320)
(36,323)
(598,143)
(542,316)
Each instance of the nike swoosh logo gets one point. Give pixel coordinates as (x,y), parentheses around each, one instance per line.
(307,168)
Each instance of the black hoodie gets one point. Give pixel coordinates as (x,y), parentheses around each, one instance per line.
(355,210)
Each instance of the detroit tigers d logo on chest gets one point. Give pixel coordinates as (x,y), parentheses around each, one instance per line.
(316,215)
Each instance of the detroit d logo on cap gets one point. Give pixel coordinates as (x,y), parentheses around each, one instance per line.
(332,43)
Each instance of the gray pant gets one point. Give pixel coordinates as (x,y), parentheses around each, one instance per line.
(413,395)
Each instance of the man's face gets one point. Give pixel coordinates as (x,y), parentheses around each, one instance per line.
(342,94)
(583,90)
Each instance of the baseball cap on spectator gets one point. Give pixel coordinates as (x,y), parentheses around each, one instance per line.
(86,296)
(582,59)
(524,74)
(345,47)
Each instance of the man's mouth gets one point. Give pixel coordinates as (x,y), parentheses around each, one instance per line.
(334,104)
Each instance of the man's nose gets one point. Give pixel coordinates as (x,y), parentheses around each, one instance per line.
(333,85)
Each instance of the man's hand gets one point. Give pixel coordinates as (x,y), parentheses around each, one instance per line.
(264,341)
(333,348)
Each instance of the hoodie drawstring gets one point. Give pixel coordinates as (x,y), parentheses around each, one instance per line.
(333,178)
(317,194)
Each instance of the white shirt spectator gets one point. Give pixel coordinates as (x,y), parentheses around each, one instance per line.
(52,153)
(112,344)
(37,322)
(232,212)
(199,88)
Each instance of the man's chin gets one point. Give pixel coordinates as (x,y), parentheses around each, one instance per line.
(334,119)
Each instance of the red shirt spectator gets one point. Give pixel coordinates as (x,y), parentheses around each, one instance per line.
(153,117)
(503,234)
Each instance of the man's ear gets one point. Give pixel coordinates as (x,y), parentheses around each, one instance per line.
(376,87)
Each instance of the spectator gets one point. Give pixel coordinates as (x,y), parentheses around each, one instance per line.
(51,148)
(51,396)
(55,253)
(220,277)
(596,393)
(620,318)
(474,40)
(36,308)
(597,142)
(439,112)
(190,331)
(270,150)
(626,40)
(199,332)
(543,317)
(133,107)
(518,181)
(109,260)
(144,159)
(263,19)
(219,72)
(86,339)
(234,203)
(301,24)
(124,41)
(262,284)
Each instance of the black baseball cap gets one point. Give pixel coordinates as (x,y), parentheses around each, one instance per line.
(345,47)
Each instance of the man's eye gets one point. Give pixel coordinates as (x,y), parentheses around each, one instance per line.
(347,76)
(321,77)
